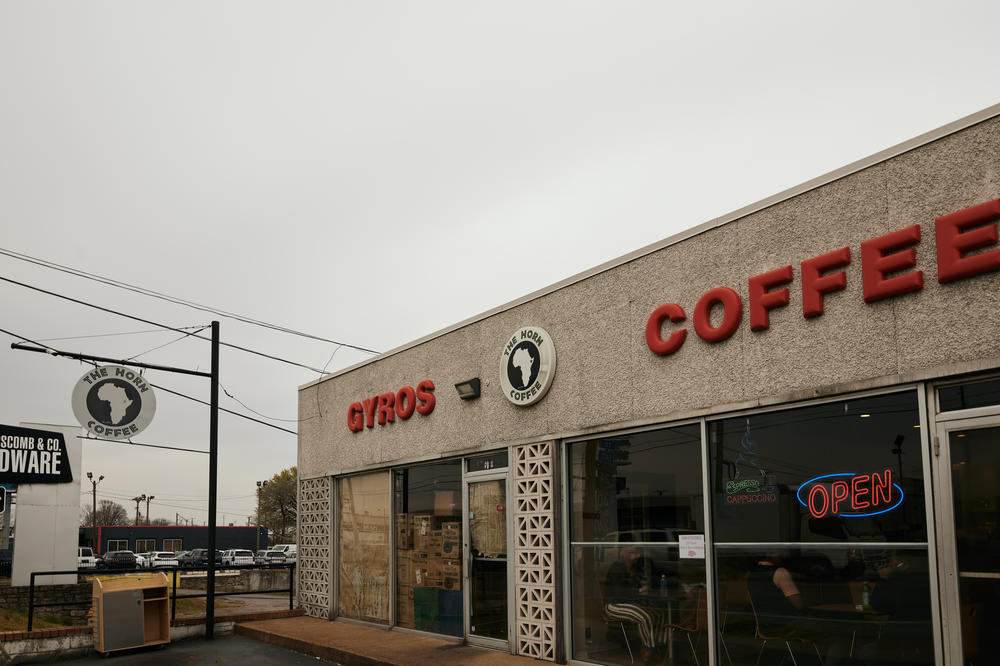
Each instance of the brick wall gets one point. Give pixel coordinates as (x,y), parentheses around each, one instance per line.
(16,598)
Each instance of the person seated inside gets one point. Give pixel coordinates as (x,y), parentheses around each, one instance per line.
(628,598)
(781,609)
(902,592)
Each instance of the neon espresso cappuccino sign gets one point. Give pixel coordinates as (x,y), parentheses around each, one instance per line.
(850,495)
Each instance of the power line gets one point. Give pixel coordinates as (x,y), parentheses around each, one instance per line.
(273,418)
(223,409)
(162,388)
(153,323)
(171,299)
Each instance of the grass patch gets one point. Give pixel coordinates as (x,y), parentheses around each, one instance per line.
(186,607)
(17,620)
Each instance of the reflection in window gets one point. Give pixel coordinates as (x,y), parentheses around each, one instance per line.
(846,471)
(633,496)
(967,396)
(364,547)
(643,487)
(780,599)
(428,508)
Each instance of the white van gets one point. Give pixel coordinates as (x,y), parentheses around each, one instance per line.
(288,549)
(85,558)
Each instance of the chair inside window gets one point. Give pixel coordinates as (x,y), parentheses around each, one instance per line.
(620,622)
(693,618)
(765,634)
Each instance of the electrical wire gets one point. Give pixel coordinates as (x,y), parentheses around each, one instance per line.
(153,323)
(111,335)
(163,388)
(166,344)
(223,409)
(170,299)
(273,418)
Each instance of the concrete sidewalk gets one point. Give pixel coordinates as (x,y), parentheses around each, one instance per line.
(350,644)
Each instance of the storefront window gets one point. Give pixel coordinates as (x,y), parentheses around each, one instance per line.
(364,547)
(428,508)
(820,532)
(634,498)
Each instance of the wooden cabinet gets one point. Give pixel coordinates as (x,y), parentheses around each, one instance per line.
(131,611)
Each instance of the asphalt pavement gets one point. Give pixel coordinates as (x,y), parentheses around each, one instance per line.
(222,650)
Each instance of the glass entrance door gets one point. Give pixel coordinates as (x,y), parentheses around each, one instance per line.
(486,560)
(970,477)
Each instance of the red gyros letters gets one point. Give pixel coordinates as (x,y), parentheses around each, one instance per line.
(385,407)
(356,417)
(425,397)
(406,401)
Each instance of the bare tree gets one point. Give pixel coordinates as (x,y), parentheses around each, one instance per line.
(108,513)
(279,505)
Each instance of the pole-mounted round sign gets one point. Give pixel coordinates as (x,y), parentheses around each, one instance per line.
(527,365)
(113,401)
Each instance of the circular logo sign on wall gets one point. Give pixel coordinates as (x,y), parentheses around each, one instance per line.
(113,401)
(527,365)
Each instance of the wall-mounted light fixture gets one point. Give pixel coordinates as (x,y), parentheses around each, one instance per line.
(468,389)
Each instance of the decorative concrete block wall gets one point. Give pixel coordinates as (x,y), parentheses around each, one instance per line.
(534,550)
(315,546)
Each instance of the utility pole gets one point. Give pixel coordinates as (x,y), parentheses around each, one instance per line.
(213,449)
(138,501)
(148,500)
(213,475)
(260,488)
(93,516)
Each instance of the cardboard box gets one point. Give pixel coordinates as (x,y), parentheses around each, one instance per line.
(451,583)
(404,531)
(451,531)
(435,541)
(451,568)
(404,569)
(449,548)
(421,524)
(447,503)
(421,574)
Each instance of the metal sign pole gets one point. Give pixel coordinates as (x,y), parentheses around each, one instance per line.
(213,472)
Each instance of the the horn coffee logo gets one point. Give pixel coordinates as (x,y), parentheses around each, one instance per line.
(114,402)
(527,365)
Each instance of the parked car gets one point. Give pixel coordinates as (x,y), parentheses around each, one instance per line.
(273,557)
(85,559)
(142,560)
(199,558)
(236,557)
(162,558)
(258,557)
(119,559)
(289,549)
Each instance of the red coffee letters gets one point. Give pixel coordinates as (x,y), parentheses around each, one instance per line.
(886,263)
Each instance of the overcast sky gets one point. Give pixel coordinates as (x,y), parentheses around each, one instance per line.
(371,172)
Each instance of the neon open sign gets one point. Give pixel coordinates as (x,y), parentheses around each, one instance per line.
(851,495)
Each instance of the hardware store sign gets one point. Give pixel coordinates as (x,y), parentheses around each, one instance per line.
(33,456)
